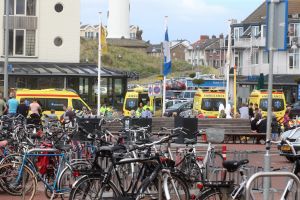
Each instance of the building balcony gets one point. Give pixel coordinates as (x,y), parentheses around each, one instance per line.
(248,42)
(21,22)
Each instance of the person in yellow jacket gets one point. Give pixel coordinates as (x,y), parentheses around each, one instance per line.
(103,109)
(139,110)
(148,106)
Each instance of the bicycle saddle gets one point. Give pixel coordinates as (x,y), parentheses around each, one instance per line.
(190,141)
(233,165)
(63,147)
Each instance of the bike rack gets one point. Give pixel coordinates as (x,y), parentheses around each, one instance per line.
(271,174)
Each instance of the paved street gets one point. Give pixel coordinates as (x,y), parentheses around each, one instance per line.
(256,160)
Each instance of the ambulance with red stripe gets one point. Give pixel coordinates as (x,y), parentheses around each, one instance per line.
(53,99)
(260,97)
(207,102)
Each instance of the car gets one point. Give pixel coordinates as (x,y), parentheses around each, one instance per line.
(172,102)
(178,108)
(187,94)
(295,111)
(293,136)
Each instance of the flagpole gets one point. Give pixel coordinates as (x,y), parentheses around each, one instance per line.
(165,77)
(99,65)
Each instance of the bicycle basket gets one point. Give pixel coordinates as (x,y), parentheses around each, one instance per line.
(215,135)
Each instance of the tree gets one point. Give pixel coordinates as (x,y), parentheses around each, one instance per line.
(198,81)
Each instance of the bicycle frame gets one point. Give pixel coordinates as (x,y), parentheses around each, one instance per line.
(62,160)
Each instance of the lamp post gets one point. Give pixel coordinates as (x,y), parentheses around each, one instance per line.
(5,72)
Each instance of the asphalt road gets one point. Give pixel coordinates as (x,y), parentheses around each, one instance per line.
(255,154)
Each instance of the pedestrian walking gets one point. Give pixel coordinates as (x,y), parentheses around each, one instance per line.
(23,108)
(12,105)
(139,110)
(251,111)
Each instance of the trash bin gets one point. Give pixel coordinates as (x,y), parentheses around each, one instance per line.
(190,124)
(90,124)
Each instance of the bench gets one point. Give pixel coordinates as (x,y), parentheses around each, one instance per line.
(244,137)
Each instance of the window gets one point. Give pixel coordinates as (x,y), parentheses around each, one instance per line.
(277,104)
(238,32)
(266,57)
(77,104)
(30,43)
(58,7)
(294,30)
(211,104)
(20,7)
(131,104)
(58,41)
(19,44)
(30,8)
(264,31)
(254,58)
(294,59)
(255,31)
(11,42)
(11,7)
(56,104)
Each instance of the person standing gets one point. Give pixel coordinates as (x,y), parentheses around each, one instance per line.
(12,105)
(139,111)
(148,106)
(3,106)
(250,111)
(244,111)
(22,108)
(147,113)
(35,108)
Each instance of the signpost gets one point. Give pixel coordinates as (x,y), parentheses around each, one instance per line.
(277,23)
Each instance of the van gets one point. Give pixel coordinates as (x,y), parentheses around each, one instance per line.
(208,101)
(137,95)
(53,99)
(260,97)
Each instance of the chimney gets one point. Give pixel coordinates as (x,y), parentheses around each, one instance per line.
(204,37)
(213,37)
(221,36)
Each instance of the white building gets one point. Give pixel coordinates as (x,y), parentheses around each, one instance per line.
(42,31)
(118,19)
(251,59)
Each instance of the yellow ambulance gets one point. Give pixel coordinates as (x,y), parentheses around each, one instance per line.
(52,99)
(208,101)
(260,97)
(135,96)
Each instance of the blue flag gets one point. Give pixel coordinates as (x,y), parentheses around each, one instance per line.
(167,55)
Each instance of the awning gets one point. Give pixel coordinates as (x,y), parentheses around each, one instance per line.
(63,69)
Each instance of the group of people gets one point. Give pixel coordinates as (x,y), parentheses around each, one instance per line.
(143,111)
(258,121)
(13,107)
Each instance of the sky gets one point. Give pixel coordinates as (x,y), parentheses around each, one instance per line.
(187,19)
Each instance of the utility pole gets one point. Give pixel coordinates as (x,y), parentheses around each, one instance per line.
(5,72)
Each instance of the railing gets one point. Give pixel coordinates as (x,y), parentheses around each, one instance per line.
(21,22)
(272,174)
(248,42)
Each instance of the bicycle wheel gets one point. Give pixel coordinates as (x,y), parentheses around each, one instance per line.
(214,167)
(92,188)
(66,177)
(25,186)
(211,194)
(191,169)
(177,188)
